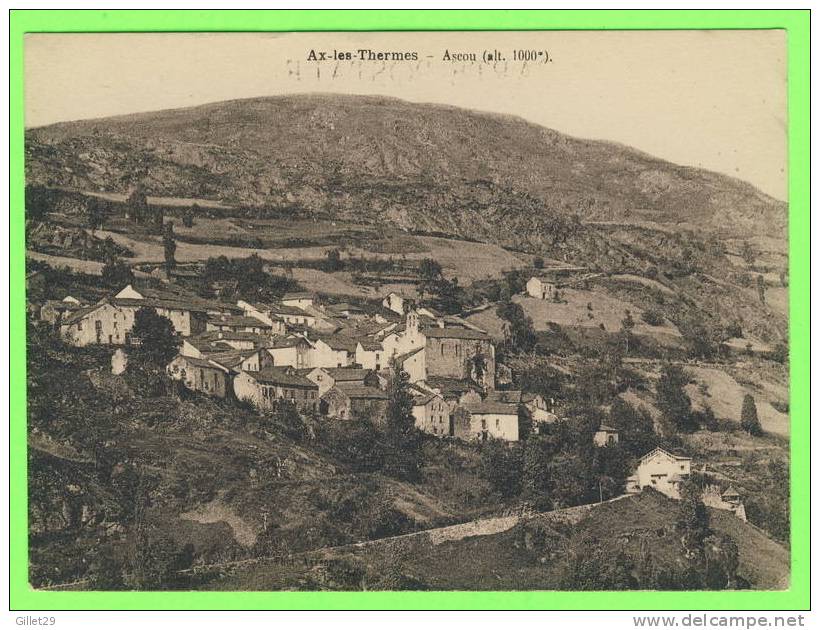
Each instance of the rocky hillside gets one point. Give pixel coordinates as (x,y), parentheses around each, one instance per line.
(373,158)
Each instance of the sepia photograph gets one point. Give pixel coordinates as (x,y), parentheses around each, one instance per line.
(407,311)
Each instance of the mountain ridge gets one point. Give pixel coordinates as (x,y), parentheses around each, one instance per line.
(377,158)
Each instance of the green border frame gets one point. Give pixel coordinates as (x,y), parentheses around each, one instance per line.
(796,22)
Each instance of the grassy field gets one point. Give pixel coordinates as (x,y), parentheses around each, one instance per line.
(574,311)
(725,395)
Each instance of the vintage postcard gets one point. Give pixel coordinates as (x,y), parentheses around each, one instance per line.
(410,311)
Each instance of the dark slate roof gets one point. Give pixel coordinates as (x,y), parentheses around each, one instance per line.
(298,295)
(359,392)
(281,376)
(370,344)
(348,374)
(422,398)
(434,332)
(286,342)
(511,396)
(81,313)
(237,321)
(284,309)
(200,363)
(403,357)
(177,298)
(229,358)
(339,342)
(451,385)
(487,407)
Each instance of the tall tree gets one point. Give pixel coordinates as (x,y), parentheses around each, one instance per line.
(761,289)
(95,214)
(747,253)
(535,476)
(749,421)
(693,519)
(116,272)
(672,399)
(137,205)
(520,332)
(333,261)
(627,324)
(158,342)
(429,274)
(170,246)
(189,214)
(402,453)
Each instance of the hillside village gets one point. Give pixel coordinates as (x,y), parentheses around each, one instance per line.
(229,390)
(331,359)
(336,360)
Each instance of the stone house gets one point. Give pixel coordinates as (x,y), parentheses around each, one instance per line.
(333,351)
(396,303)
(484,420)
(414,364)
(605,436)
(241,360)
(728,500)
(292,315)
(346,310)
(293,351)
(237,324)
(265,388)
(98,324)
(187,312)
(353,376)
(264,312)
(432,414)
(454,392)
(300,300)
(221,340)
(318,376)
(55,311)
(370,354)
(542,287)
(348,400)
(200,375)
(662,471)
(453,352)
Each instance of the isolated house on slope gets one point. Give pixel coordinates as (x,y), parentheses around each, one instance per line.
(542,287)
(728,500)
(605,436)
(662,471)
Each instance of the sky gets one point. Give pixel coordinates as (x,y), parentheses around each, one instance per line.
(712,99)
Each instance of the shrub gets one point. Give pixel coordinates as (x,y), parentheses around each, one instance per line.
(652,317)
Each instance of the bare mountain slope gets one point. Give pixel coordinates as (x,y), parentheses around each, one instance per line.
(372,158)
